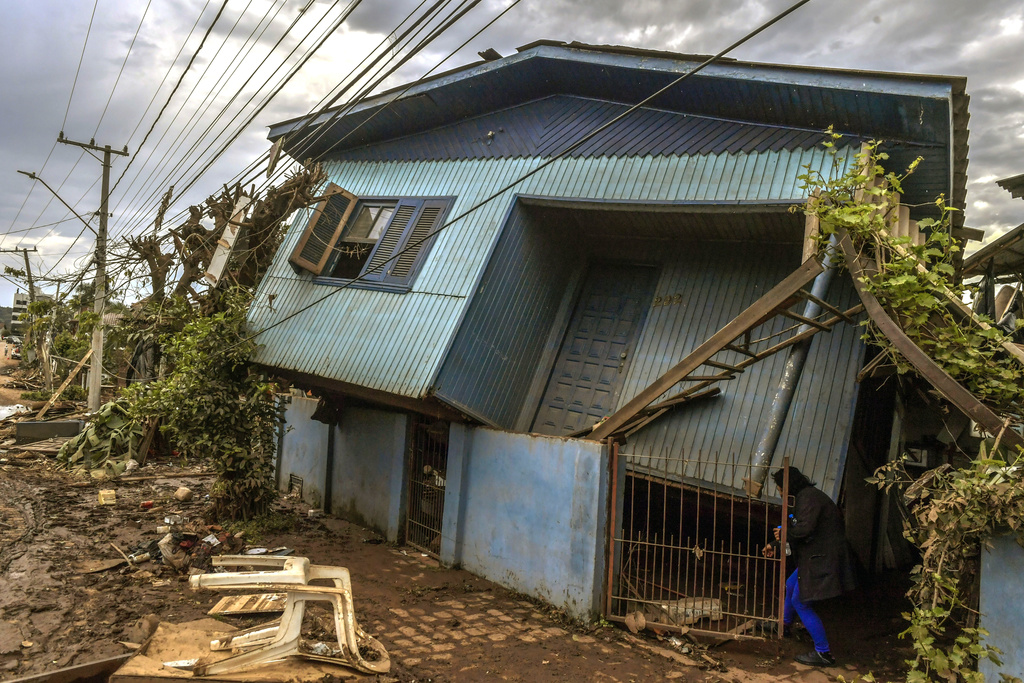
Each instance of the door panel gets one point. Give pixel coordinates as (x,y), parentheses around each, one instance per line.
(595,353)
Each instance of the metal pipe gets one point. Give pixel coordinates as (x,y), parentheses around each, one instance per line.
(795,362)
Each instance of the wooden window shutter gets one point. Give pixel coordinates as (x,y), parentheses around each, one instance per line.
(418,239)
(411,226)
(378,265)
(323,230)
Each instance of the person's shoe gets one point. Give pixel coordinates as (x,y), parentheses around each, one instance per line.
(815,658)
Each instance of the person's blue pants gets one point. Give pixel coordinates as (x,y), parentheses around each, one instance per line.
(795,607)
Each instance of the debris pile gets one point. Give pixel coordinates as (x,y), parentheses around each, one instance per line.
(107,446)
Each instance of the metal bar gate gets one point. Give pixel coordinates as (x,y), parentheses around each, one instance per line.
(428,463)
(686,548)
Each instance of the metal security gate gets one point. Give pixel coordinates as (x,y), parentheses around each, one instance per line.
(687,549)
(428,464)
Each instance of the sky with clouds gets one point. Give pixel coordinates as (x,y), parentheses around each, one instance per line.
(110,82)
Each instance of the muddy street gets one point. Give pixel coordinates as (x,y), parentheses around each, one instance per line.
(437,624)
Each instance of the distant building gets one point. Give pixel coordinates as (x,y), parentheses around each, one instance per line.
(20,307)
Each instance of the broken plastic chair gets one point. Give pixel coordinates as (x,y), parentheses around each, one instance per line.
(281,638)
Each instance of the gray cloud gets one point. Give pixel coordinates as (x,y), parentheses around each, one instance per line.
(979,39)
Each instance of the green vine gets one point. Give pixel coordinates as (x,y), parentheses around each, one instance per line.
(953,512)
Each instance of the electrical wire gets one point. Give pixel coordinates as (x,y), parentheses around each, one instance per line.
(123,63)
(537,169)
(174,90)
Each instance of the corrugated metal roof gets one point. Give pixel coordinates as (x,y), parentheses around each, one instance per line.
(1014,185)
(396,342)
(908,110)
(549,126)
(1005,254)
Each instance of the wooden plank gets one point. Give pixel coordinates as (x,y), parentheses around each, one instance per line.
(957,305)
(811,229)
(827,306)
(147,439)
(71,376)
(743,322)
(952,390)
(805,320)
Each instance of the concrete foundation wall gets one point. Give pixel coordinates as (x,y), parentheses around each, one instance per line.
(304,450)
(529,512)
(368,473)
(1002,603)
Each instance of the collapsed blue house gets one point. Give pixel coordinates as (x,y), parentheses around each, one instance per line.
(485,279)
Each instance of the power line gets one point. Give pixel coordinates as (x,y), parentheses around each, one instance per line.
(177,85)
(81,58)
(537,169)
(119,73)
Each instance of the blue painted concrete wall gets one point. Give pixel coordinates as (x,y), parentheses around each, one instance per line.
(1002,603)
(369,473)
(529,512)
(304,450)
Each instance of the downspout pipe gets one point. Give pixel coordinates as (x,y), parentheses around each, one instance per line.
(795,362)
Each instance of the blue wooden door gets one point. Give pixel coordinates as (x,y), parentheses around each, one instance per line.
(595,353)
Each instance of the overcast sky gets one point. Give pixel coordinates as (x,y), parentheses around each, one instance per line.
(49,84)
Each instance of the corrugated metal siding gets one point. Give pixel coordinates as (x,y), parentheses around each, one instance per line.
(717,282)
(395,342)
(547,127)
(496,350)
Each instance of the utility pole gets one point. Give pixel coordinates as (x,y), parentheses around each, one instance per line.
(100,293)
(30,343)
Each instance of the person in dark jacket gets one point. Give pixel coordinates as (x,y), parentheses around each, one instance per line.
(822,559)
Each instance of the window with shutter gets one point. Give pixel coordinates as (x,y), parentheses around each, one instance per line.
(406,241)
(325,227)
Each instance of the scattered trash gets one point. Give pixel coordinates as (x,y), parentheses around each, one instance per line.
(172,554)
(680,645)
(140,558)
(94,566)
(27,643)
(314,514)
(131,466)
(107,496)
(373,541)
(281,550)
(184,494)
(163,529)
(212,540)
(256,551)
(172,519)
(161,583)
(146,504)
(636,622)
(323,650)
(183,664)
(7,411)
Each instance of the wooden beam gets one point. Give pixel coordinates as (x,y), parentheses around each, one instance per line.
(744,321)
(827,306)
(71,376)
(954,301)
(952,390)
(805,320)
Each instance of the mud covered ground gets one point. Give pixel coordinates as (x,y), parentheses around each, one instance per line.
(438,624)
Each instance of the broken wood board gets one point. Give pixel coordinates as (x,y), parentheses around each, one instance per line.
(255,603)
(71,376)
(93,566)
(98,670)
(191,640)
